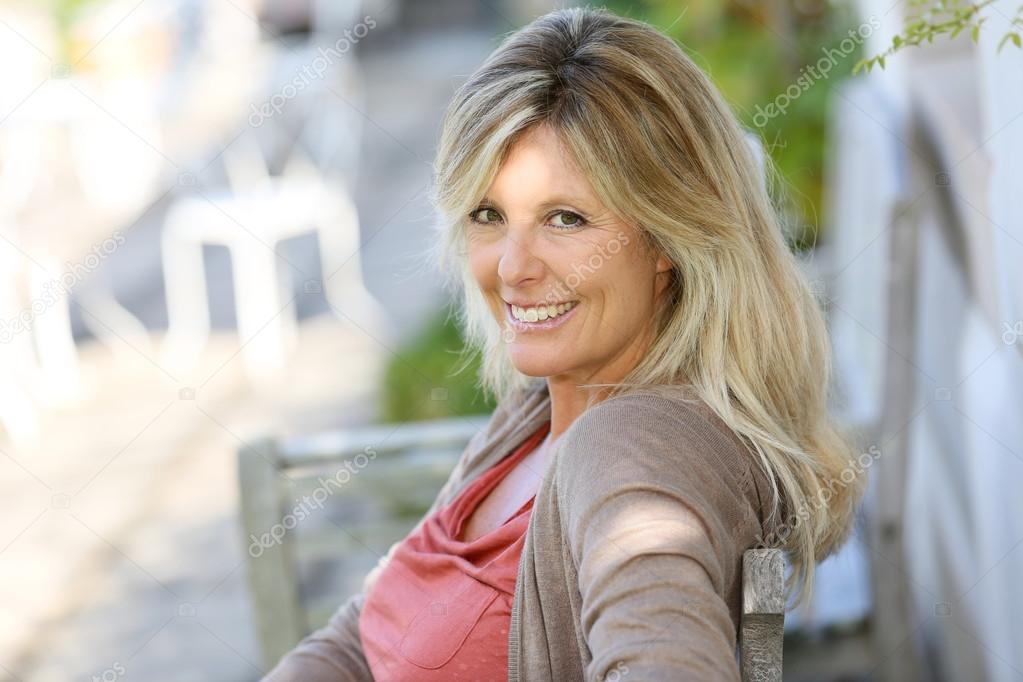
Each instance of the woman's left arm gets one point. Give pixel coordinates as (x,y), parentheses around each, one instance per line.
(653,517)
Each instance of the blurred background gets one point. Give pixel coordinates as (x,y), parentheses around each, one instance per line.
(215,314)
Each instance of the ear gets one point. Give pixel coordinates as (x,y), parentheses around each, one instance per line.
(662,276)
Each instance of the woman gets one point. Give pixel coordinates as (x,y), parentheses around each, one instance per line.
(662,370)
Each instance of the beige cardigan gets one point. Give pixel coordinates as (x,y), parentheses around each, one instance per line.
(631,565)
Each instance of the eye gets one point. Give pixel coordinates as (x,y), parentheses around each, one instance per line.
(485,216)
(569,220)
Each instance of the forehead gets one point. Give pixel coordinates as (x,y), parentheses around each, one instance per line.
(537,164)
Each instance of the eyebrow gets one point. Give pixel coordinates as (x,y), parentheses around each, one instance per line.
(554,202)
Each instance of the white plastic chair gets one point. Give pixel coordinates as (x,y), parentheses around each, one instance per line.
(250,216)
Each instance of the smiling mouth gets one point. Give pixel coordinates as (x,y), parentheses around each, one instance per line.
(538,318)
(541,312)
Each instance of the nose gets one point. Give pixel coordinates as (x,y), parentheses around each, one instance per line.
(519,263)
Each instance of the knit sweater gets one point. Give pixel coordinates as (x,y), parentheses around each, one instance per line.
(632,561)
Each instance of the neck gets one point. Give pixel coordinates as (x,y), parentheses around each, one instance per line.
(568,401)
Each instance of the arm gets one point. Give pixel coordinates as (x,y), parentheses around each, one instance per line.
(653,508)
(331,654)
(334,652)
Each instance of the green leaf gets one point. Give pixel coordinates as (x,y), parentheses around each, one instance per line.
(897,40)
(1014,37)
(975,33)
(880,60)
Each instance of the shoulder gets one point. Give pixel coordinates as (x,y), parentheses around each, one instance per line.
(670,434)
(663,442)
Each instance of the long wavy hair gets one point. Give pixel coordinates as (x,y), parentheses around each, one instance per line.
(662,149)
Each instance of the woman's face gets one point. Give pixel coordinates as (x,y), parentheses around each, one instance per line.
(572,286)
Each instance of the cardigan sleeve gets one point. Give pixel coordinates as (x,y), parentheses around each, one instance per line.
(334,653)
(331,654)
(651,509)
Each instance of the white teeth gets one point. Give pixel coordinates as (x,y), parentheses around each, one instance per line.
(540,313)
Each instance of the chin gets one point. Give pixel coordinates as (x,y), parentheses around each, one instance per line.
(532,365)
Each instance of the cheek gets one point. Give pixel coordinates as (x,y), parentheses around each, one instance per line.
(626,283)
(482,266)
(563,258)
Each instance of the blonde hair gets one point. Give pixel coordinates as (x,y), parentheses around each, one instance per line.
(661,148)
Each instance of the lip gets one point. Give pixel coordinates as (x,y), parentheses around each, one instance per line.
(545,325)
(533,304)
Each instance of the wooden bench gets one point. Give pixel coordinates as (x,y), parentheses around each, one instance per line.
(324,505)
(762,628)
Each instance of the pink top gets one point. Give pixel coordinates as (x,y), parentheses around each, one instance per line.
(440,608)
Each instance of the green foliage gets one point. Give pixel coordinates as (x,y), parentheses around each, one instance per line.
(66,13)
(422,383)
(754,52)
(934,18)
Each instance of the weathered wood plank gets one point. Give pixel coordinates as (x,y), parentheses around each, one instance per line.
(329,446)
(280,619)
(761,631)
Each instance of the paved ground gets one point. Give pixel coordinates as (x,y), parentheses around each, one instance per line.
(120,551)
